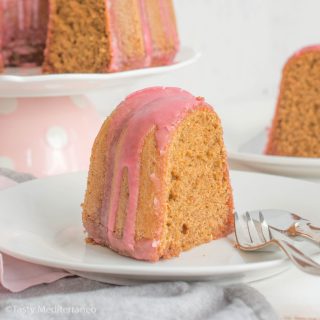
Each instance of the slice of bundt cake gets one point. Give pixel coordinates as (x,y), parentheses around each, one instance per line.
(158,181)
(295,129)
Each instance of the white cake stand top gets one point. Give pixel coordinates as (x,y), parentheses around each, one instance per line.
(16,82)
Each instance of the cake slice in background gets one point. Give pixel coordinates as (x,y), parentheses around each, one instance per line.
(87,36)
(295,128)
(158,182)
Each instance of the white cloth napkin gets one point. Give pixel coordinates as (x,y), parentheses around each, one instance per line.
(77,298)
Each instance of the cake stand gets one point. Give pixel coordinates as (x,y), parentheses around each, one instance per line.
(47,125)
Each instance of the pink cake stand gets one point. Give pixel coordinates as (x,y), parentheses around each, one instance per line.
(47,125)
(47,135)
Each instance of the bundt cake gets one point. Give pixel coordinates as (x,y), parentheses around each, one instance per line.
(87,35)
(295,130)
(158,182)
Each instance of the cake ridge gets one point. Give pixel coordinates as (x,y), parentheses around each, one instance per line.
(170,102)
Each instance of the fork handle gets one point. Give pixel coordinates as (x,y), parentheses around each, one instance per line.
(301,260)
(313,227)
(309,234)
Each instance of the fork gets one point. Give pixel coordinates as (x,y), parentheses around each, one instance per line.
(297,227)
(304,228)
(252,236)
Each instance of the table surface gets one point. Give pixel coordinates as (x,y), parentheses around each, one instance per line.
(293,294)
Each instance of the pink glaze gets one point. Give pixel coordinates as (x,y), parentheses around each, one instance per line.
(173,29)
(23,32)
(157,56)
(22,29)
(152,55)
(1,32)
(270,147)
(146,34)
(160,108)
(170,28)
(116,59)
(119,61)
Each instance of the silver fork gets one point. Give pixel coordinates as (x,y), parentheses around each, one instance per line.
(252,236)
(290,224)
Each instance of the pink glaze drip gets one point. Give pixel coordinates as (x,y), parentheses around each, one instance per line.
(156,56)
(1,35)
(20,9)
(119,60)
(21,31)
(116,59)
(35,14)
(160,108)
(148,46)
(171,32)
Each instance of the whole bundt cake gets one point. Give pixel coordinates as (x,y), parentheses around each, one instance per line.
(87,35)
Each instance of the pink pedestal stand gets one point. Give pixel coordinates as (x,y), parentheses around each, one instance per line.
(46,128)
(47,135)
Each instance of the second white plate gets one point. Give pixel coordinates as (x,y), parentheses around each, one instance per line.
(245,132)
(40,222)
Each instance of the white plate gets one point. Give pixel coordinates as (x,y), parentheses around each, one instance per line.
(31,83)
(40,222)
(245,132)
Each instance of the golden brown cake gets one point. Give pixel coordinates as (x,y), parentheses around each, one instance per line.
(158,182)
(295,129)
(87,35)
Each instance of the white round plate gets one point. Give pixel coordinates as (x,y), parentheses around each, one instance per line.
(245,134)
(18,82)
(40,222)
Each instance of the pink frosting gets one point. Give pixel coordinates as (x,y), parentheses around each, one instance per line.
(1,32)
(152,55)
(111,21)
(171,31)
(118,59)
(146,34)
(21,31)
(160,108)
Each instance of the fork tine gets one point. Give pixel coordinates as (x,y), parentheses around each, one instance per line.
(253,232)
(240,231)
(264,227)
